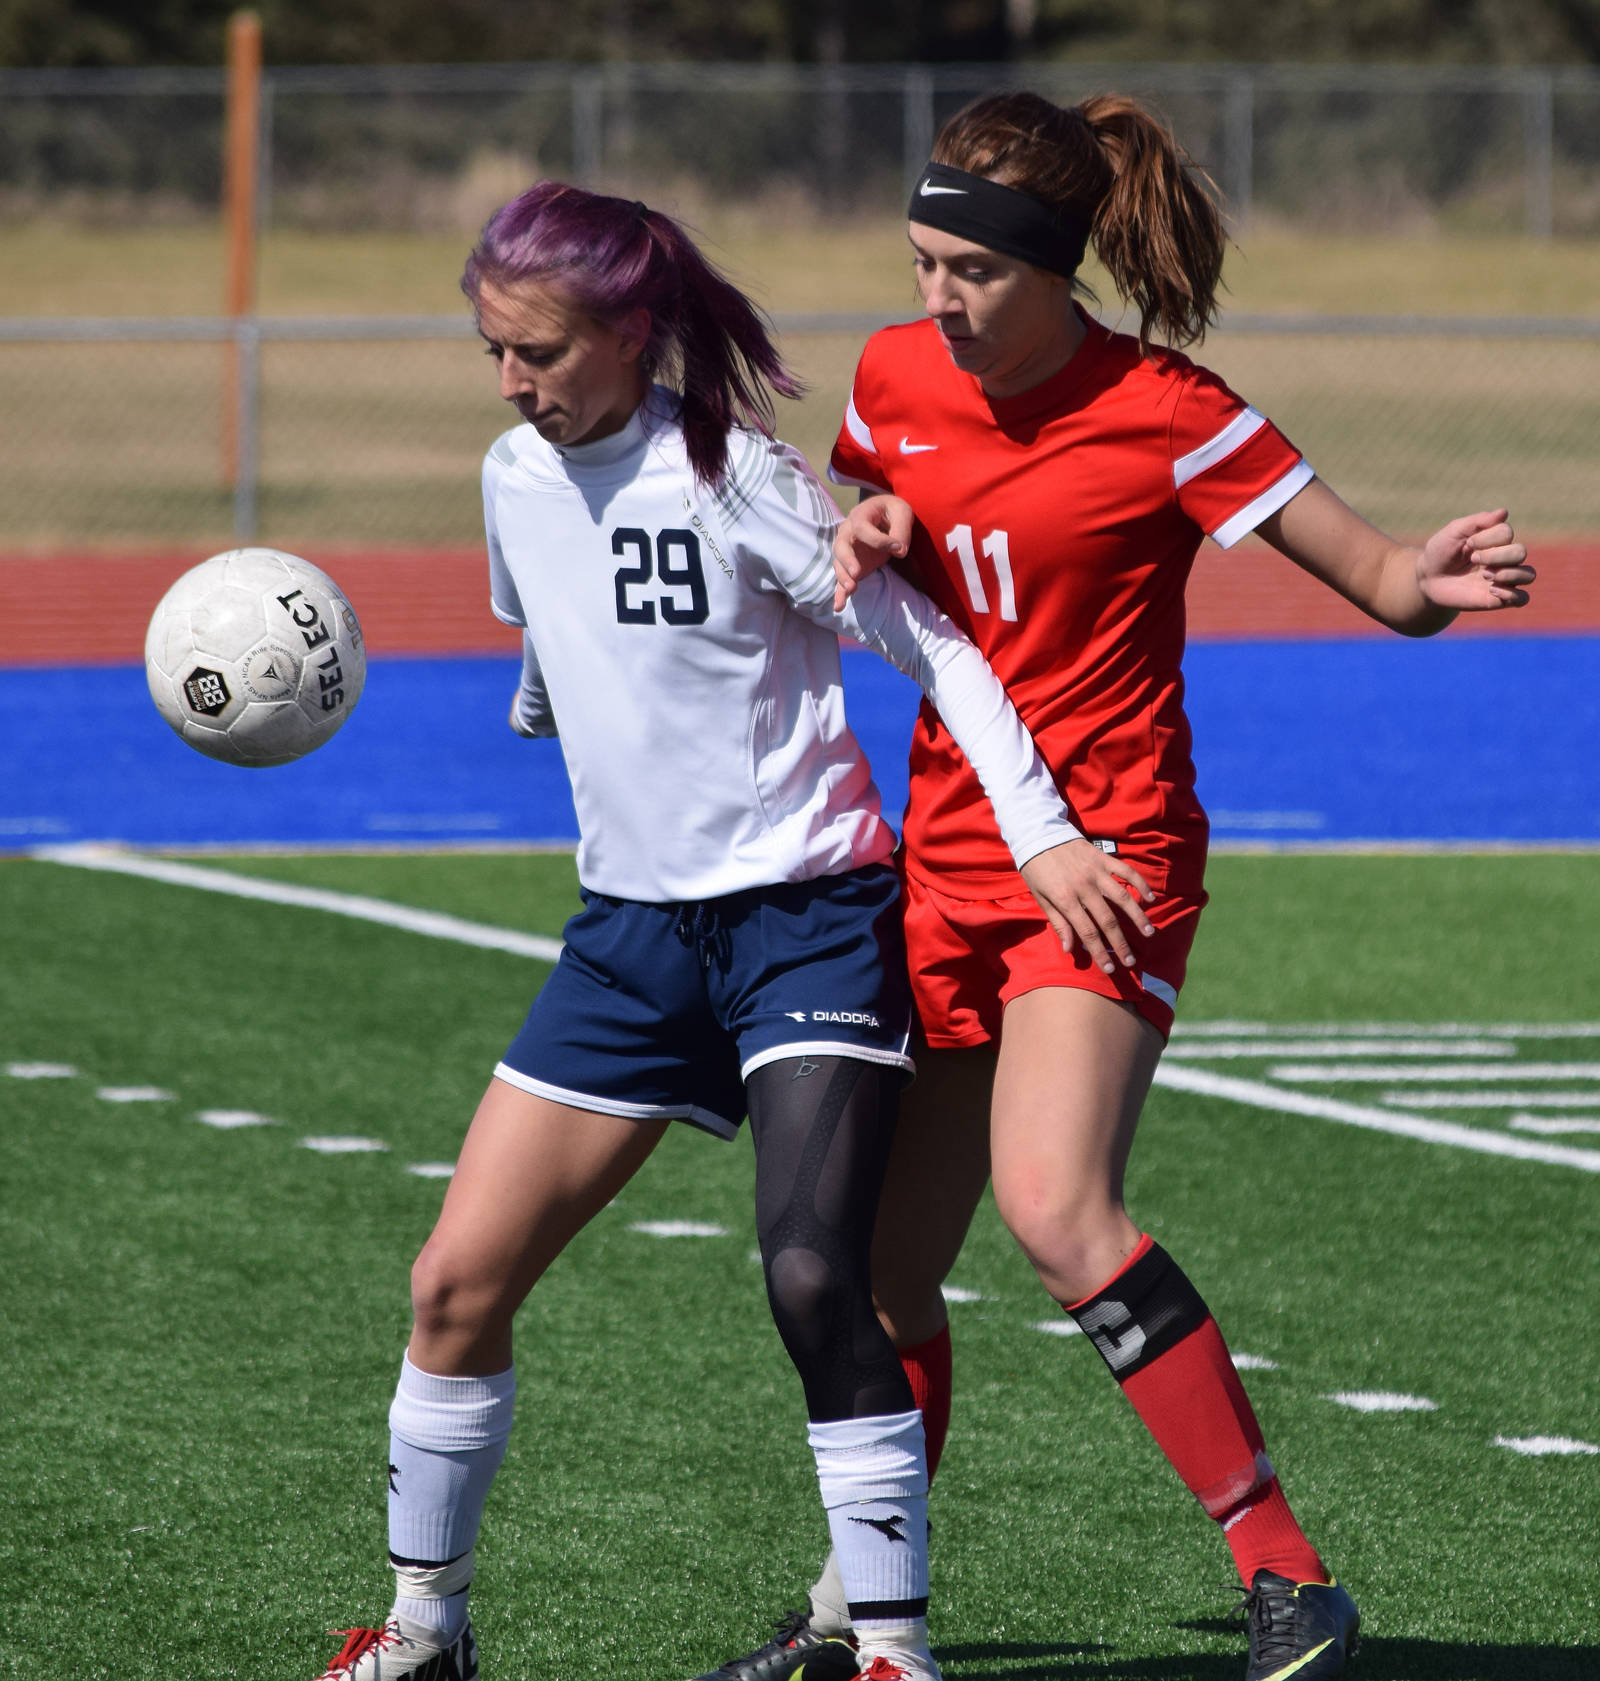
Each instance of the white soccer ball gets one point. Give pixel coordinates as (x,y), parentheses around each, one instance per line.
(255,657)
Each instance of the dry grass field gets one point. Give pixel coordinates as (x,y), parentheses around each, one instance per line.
(375,444)
(789,264)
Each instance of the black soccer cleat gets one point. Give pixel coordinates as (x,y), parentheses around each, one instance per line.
(1299,1631)
(796,1652)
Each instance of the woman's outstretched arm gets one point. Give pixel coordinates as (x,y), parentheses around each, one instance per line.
(1473,564)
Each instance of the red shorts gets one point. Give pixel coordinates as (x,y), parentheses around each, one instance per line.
(970,957)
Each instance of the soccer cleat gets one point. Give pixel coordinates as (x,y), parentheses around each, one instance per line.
(796,1652)
(402,1652)
(1299,1631)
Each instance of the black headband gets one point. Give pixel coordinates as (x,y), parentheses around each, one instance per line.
(999,218)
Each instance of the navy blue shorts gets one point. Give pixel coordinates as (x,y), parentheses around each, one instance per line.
(663,1011)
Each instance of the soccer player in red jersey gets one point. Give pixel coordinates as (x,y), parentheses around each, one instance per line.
(1048,483)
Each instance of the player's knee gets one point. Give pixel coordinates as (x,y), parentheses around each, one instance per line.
(1074,1242)
(908,1320)
(445,1297)
(805,1297)
(905,1278)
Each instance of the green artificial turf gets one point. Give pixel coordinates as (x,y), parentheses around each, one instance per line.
(202,1327)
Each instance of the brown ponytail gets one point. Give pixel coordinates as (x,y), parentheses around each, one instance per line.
(1154,218)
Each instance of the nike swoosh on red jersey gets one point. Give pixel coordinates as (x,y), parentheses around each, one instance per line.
(909,448)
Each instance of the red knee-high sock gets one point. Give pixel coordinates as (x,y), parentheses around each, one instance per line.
(928,1369)
(1162,1345)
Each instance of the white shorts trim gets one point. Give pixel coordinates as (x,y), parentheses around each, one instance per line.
(826,1047)
(1158,988)
(705,1119)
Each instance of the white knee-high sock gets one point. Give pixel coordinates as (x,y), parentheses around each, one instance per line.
(447,1436)
(873,1473)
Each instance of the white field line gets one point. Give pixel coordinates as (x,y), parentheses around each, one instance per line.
(426,822)
(1268,819)
(1228,1029)
(1258,1095)
(1537,1446)
(1382,1401)
(1553,1127)
(435,924)
(1490,1099)
(1205,1049)
(678,1228)
(1332,1071)
(231,1120)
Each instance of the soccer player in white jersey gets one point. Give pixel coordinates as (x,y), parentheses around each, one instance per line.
(739,949)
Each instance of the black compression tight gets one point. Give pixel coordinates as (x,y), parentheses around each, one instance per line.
(822,1127)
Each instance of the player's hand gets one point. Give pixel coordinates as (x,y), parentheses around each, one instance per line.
(1475,565)
(875,531)
(1086,894)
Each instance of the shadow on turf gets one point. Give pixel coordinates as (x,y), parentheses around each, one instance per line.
(1060,1661)
(1379,1660)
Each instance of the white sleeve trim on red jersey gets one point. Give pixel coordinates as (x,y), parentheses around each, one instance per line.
(861,436)
(858,428)
(1236,433)
(1267,503)
(861,484)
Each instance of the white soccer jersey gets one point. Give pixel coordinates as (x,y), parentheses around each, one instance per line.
(682,643)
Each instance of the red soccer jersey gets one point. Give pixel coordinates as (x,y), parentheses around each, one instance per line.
(1057,528)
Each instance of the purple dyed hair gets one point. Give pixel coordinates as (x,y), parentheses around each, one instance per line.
(612,256)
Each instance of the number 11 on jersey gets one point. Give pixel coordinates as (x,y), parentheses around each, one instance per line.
(996,547)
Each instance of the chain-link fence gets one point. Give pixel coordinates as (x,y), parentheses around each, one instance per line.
(1359,147)
(369,432)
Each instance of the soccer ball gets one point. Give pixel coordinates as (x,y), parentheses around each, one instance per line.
(255,657)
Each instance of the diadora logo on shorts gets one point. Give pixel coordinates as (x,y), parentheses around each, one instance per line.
(850,1018)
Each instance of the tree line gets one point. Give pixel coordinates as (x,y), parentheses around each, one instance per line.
(85,33)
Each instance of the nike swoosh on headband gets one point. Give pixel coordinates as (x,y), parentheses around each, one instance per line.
(1001,218)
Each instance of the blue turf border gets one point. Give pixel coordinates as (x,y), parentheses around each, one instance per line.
(1448,741)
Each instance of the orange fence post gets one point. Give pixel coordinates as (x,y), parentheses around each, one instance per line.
(241,153)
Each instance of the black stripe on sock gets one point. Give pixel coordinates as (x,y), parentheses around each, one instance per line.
(1142,1313)
(423,1563)
(888,1610)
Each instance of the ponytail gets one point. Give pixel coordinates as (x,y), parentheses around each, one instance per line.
(1154,221)
(1158,230)
(613,256)
(717,346)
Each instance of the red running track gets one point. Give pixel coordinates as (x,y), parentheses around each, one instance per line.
(92,609)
